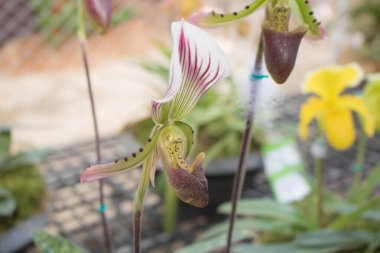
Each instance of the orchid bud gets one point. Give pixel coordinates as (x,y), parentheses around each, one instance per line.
(100,13)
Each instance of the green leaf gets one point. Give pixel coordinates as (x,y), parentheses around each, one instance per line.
(266,208)
(164,49)
(283,248)
(214,243)
(347,219)
(276,248)
(344,208)
(371,182)
(47,243)
(218,147)
(7,203)
(261,225)
(375,242)
(340,240)
(159,69)
(121,15)
(5,143)
(23,159)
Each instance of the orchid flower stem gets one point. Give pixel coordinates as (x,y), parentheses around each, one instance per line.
(359,161)
(139,202)
(318,170)
(82,40)
(171,203)
(241,170)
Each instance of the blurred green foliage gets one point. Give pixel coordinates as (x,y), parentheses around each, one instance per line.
(365,20)
(22,186)
(57,19)
(351,224)
(47,243)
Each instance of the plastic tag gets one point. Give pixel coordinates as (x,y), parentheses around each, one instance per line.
(284,170)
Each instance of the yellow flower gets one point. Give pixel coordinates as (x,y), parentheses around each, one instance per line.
(331,108)
(371,98)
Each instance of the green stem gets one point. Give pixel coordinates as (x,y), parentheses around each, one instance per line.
(359,161)
(241,170)
(138,203)
(318,170)
(171,209)
(81,30)
(82,39)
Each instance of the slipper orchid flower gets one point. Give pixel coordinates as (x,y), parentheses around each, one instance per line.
(197,64)
(280,44)
(371,96)
(331,108)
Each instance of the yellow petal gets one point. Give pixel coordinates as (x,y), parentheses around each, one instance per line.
(310,110)
(371,97)
(339,127)
(357,105)
(329,82)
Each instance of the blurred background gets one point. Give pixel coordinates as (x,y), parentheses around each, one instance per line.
(44,98)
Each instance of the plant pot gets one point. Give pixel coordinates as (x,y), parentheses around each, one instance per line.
(17,238)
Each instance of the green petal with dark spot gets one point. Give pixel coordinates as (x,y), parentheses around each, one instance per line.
(99,171)
(304,14)
(214,18)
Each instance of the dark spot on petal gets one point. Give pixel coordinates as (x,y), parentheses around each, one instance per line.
(116,161)
(247,7)
(235,13)
(149,140)
(134,154)
(222,15)
(141,149)
(126,159)
(311,13)
(213,13)
(314,20)
(319,23)
(306,2)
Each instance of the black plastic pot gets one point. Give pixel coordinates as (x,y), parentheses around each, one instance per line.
(20,236)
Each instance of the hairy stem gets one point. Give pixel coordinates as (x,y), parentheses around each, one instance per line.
(241,170)
(139,202)
(82,40)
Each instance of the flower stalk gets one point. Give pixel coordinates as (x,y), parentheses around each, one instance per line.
(138,204)
(241,170)
(82,40)
(359,161)
(318,170)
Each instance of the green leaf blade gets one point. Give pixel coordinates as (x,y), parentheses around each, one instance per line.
(47,243)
